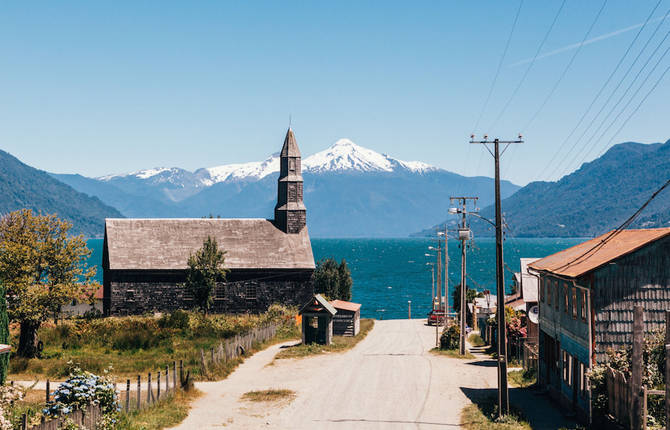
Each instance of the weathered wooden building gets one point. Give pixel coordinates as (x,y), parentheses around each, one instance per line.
(587,294)
(347,320)
(317,321)
(269,261)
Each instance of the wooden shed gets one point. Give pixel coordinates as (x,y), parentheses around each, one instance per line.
(317,321)
(347,321)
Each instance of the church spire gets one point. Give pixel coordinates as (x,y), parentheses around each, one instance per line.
(290,213)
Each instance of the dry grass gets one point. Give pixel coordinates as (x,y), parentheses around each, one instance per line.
(481,416)
(452,353)
(166,413)
(338,344)
(271,395)
(476,340)
(522,378)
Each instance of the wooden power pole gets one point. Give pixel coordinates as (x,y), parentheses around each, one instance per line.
(503,393)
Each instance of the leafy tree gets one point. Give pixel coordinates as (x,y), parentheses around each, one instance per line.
(333,280)
(42,268)
(345,281)
(205,268)
(470,294)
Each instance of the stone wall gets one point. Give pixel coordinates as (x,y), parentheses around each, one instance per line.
(136,293)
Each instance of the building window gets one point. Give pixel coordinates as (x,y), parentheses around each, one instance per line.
(566,300)
(219,292)
(250,292)
(291,165)
(583,305)
(564,359)
(574,303)
(549,292)
(556,297)
(542,290)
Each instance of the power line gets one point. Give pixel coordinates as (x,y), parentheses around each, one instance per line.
(602,88)
(625,106)
(500,63)
(567,67)
(530,66)
(617,230)
(621,81)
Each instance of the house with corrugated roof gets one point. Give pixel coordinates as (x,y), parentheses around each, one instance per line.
(269,261)
(587,294)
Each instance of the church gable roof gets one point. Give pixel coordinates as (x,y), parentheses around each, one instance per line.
(165,244)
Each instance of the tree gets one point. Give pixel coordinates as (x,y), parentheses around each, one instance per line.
(4,336)
(333,280)
(205,269)
(345,281)
(42,268)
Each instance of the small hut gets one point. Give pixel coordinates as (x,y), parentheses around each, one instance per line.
(317,321)
(347,321)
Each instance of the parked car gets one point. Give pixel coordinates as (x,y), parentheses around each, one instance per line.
(436,316)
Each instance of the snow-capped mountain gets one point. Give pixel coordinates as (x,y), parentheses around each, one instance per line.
(349,191)
(342,156)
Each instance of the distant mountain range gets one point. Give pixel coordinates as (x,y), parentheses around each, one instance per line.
(350,191)
(598,197)
(22,186)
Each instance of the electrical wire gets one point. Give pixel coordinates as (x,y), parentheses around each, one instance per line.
(616,231)
(567,67)
(558,165)
(530,66)
(602,88)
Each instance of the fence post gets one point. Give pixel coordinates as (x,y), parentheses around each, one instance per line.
(203,365)
(213,358)
(24,422)
(174,375)
(644,408)
(158,386)
(139,391)
(181,371)
(48,390)
(127,395)
(167,379)
(636,368)
(149,393)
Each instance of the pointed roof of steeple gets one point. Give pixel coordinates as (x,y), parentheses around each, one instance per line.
(290,148)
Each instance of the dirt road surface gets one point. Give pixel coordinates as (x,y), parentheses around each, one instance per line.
(388,381)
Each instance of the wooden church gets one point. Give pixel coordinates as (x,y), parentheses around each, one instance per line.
(269,261)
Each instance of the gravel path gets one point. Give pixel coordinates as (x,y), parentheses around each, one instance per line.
(388,381)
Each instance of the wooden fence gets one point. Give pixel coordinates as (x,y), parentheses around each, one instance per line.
(618,396)
(235,347)
(144,392)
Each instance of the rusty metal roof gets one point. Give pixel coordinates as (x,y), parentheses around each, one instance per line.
(318,304)
(589,255)
(165,244)
(347,306)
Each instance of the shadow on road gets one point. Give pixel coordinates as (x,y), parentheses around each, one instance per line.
(483,363)
(527,403)
(290,346)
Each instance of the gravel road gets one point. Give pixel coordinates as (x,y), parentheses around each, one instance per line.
(388,381)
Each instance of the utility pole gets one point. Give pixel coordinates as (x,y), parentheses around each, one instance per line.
(446,275)
(503,393)
(463,236)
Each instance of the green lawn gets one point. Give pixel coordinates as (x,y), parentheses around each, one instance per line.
(338,344)
(522,378)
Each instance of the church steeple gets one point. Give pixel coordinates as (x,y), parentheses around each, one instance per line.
(290,212)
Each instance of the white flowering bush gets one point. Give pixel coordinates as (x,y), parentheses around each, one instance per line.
(8,395)
(81,389)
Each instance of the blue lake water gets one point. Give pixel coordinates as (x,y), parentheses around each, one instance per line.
(389,272)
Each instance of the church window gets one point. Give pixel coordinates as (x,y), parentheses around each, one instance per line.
(130,295)
(250,292)
(291,165)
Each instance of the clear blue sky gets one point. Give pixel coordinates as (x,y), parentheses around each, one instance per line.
(108,87)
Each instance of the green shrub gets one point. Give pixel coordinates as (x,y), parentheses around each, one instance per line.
(450,338)
(178,320)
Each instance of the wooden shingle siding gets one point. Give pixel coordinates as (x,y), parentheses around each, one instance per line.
(643,278)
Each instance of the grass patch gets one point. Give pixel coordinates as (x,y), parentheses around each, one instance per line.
(522,378)
(483,416)
(476,340)
(271,395)
(139,344)
(452,353)
(338,344)
(168,412)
